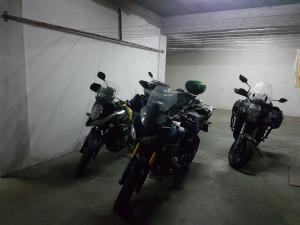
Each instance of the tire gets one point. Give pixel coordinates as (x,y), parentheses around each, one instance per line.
(235,134)
(192,151)
(239,156)
(129,187)
(90,148)
(84,161)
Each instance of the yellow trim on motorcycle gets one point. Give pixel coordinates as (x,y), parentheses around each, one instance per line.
(130,113)
(136,150)
(152,159)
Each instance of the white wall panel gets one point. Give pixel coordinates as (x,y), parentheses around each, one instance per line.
(60,67)
(220,69)
(14,133)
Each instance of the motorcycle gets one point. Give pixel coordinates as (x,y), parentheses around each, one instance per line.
(162,146)
(110,122)
(252,121)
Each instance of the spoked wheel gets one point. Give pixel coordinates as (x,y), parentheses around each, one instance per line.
(240,154)
(89,150)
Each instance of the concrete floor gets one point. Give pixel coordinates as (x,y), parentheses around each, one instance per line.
(211,193)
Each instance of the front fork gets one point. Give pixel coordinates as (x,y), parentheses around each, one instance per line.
(129,164)
(244,134)
(134,155)
(95,134)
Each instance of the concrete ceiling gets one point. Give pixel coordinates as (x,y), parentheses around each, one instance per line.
(167,8)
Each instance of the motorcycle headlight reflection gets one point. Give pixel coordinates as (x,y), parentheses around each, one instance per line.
(253,112)
(96,112)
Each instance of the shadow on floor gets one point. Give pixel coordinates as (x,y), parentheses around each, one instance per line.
(265,161)
(145,205)
(60,172)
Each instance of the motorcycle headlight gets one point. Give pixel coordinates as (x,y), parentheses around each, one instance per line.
(97,110)
(242,110)
(133,133)
(253,112)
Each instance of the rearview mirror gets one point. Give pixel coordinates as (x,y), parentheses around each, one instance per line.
(95,87)
(145,84)
(241,91)
(243,79)
(101,75)
(150,74)
(283,100)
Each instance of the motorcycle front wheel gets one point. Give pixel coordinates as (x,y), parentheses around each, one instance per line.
(88,151)
(130,185)
(240,155)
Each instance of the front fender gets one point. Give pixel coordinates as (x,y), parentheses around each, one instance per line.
(102,121)
(93,141)
(248,132)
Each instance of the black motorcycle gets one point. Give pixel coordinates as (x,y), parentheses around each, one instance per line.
(110,122)
(252,121)
(160,139)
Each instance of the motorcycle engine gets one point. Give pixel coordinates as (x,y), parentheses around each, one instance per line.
(117,138)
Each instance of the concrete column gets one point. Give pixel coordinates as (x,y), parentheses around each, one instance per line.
(14,134)
(161,70)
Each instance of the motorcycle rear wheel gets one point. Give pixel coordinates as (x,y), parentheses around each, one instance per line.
(192,151)
(239,156)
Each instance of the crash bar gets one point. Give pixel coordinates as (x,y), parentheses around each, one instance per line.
(7,17)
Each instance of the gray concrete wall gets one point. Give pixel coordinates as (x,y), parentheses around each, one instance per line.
(45,75)
(14,134)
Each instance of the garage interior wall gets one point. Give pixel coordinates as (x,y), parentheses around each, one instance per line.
(14,133)
(220,69)
(60,67)
(233,42)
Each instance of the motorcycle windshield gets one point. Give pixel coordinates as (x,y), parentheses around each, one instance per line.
(163,96)
(262,91)
(161,99)
(106,93)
